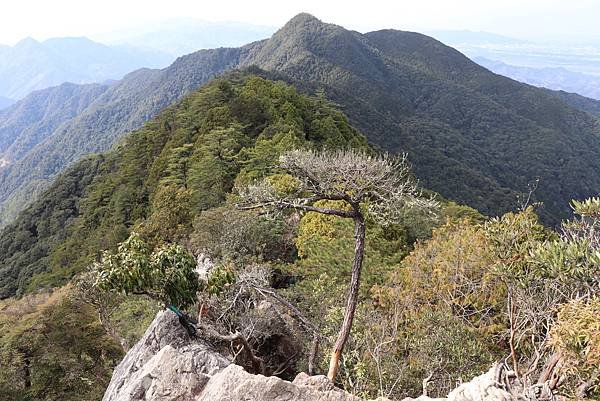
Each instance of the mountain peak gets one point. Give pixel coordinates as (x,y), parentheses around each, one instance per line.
(301,36)
(304,27)
(304,18)
(28,41)
(300,22)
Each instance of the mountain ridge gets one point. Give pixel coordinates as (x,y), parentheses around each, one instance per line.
(470,133)
(32,65)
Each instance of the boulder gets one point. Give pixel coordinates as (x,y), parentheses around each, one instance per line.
(165,365)
(235,384)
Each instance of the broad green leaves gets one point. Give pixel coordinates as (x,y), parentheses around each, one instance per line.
(167,273)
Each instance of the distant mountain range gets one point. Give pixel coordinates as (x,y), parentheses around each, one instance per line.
(572,68)
(473,136)
(557,78)
(179,36)
(5,102)
(473,38)
(576,57)
(31,65)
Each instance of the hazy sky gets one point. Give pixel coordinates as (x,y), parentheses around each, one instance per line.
(520,18)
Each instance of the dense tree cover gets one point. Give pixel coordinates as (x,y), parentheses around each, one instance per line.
(447,306)
(163,175)
(82,119)
(31,121)
(473,136)
(27,244)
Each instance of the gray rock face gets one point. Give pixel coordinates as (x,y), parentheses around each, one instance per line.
(235,384)
(481,388)
(165,365)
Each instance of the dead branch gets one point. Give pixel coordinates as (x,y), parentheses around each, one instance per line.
(237,340)
(295,311)
(314,351)
(426,382)
(549,369)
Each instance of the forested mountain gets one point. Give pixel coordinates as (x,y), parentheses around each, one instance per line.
(31,65)
(473,136)
(230,131)
(581,102)
(29,123)
(121,108)
(437,285)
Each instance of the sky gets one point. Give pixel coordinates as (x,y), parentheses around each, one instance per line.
(527,19)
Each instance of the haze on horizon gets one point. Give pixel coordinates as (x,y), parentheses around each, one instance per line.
(526,19)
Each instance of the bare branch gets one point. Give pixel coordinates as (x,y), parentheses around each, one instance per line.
(382,186)
(291,205)
(237,340)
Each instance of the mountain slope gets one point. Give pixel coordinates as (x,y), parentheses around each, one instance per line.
(581,102)
(473,136)
(183,162)
(5,102)
(120,108)
(29,123)
(31,65)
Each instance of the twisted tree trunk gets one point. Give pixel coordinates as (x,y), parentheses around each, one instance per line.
(359,250)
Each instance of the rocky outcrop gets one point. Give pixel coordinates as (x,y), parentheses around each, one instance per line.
(235,384)
(484,388)
(168,365)
(165,365)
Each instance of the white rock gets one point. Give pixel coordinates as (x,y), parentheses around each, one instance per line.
(165,365)
(235,384)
